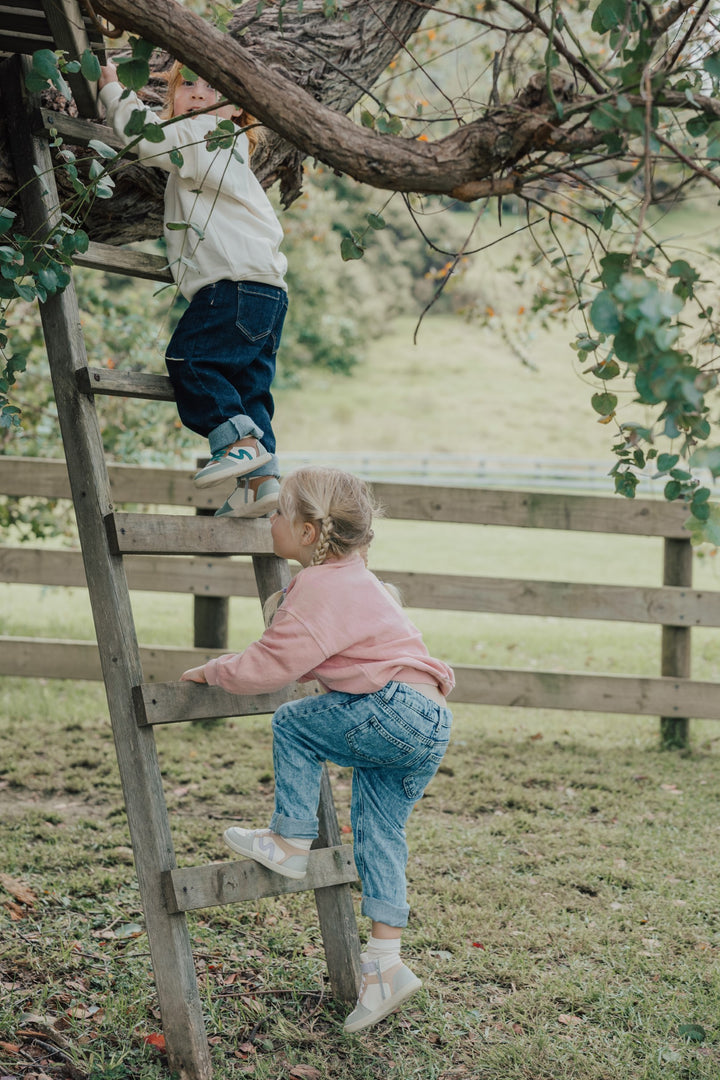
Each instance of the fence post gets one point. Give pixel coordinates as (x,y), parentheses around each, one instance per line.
(210,613)
(675,648)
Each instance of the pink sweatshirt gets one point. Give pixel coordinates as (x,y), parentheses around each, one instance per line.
(339,625)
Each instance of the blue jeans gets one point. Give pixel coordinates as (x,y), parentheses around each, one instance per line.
(221,361)
(394,740)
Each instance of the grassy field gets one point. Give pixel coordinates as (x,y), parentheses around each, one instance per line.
(562,875)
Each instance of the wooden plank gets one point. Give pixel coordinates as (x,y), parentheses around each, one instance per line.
(173,702)
(585,513)
(669,606)
(535,510)
(47,658)
(336,911)
(208,576)
(627,694)
(132,384)
(79,132)
(180,534)
(198,887)
(125,261)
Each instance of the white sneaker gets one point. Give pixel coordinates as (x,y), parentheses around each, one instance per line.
(269,849)
(381,992)
(248,503)
(233,460)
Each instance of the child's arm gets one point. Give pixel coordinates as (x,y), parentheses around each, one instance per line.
(285,653)
(195,161)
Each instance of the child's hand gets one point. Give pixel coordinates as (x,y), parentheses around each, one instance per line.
(108,74)
(194,674)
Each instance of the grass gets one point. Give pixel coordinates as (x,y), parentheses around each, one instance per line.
(562,880)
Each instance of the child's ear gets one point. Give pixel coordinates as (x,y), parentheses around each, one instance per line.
(310,534)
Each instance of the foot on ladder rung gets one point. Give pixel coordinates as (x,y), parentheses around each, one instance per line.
(197,887)
(183,534)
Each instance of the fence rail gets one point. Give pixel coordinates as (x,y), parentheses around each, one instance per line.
(673,603)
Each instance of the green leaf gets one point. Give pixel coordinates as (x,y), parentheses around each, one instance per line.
(607,15)
(177,158)
(697,126)
(133,72)
(701,511)
(188,75)
(604,314)
(666,462)
(102,149)
(90,65)
(6,219)
(609,370)
(45,64)
(705,532)
(141,48)
(350,249)
(604,404)
(375,221)
(25,292)
(367,119)
(711,64)
(136,123)
(613,266)
(177,226)
(153,133)
(625,484)
(673,490)
(608,215)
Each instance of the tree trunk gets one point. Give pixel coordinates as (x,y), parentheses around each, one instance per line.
(334,59)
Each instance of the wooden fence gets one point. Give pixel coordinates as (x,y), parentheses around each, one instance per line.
(217,575)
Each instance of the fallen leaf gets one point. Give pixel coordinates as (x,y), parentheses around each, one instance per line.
(565,1018)
(305,1072)
(16,912)
(16,888)
(11,1048)
(155,1039)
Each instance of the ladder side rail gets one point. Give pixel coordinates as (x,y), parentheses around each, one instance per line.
(136,752)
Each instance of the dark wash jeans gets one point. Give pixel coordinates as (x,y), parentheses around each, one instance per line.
(221,361)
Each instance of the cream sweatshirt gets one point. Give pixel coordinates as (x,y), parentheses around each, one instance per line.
(233,233)
(339,625)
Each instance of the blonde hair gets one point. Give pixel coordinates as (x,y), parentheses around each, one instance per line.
(174,76)
(340,504)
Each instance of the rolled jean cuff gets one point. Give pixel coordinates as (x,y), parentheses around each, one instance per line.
(382,911)
(270,468)
(237,427)
(293,828)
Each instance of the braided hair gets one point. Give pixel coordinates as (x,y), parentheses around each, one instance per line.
(340,504)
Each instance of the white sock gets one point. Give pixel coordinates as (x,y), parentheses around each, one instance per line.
(385,950)
(299,842)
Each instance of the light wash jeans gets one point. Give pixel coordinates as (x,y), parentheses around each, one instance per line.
(394,740)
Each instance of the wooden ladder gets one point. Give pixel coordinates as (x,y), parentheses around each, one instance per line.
(135,708)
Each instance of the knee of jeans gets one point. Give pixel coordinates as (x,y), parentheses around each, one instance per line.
(281,715)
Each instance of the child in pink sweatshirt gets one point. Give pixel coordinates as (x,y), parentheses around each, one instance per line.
(384,713)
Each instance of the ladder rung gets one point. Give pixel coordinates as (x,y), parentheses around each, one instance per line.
(227,883)
(79,131)
(181,534)
(132,384)
(172,702)
(119,260)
